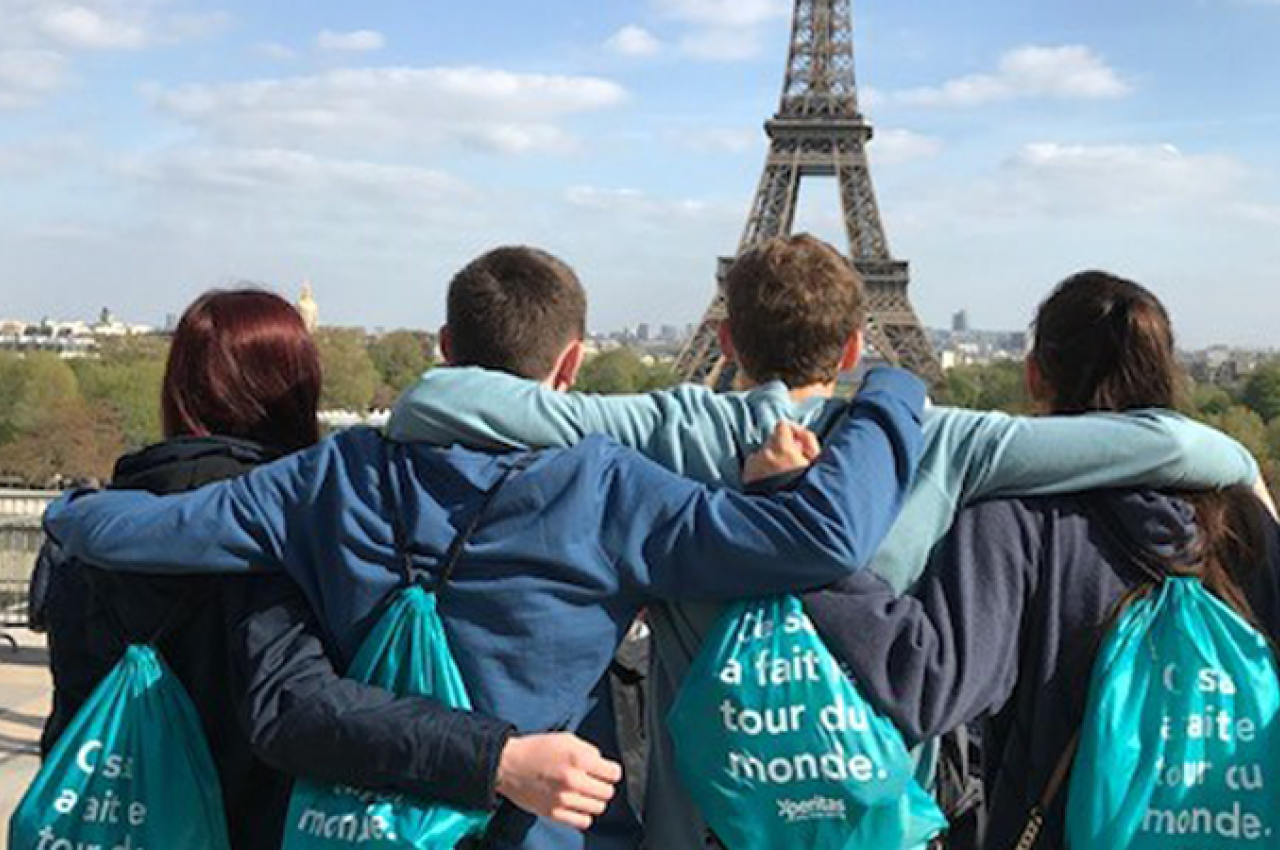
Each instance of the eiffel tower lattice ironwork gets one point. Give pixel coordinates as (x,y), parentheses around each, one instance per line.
(820,132)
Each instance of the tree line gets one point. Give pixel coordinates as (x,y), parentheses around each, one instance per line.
(63,420)
(67,420)
(1249,411)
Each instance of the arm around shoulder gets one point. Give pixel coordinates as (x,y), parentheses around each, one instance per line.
(685,541)
(947,652)
(1029,456)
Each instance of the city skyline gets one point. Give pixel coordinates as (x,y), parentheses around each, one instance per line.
(151,149)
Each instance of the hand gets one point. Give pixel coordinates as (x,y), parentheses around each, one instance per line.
(791,448)
(557,776)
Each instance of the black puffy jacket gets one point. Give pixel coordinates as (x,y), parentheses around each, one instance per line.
(252,656)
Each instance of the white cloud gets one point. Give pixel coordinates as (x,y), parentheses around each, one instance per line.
(635,204)
(1070,72)
(893,147)
(633,41)
(723,30)
(356,41)
(396,107)
(39,157)
(1119,180)
(253,175)
(39,39)
(28,76)
(90,29)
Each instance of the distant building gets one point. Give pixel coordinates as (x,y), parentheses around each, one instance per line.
(308,307)
(1222,365)
(66,339)
(109,325)
(975,348)
(643,332)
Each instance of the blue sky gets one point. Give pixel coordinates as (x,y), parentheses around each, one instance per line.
(152,148)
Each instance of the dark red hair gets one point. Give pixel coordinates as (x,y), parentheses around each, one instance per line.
(243,365)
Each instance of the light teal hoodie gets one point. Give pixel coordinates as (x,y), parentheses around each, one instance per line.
(968,457)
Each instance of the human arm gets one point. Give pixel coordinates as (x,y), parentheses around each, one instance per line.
(678,540)
(947,652)
(689,429)
(303,718)
(1031,456)
(230,526)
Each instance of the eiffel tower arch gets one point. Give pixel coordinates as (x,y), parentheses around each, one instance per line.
(819,131)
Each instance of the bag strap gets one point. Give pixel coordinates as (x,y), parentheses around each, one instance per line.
(453,555)
(1152,576)
(177,615)
(1035,819)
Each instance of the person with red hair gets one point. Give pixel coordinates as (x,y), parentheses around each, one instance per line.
(241,388)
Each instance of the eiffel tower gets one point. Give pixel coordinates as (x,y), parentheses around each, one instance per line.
(820,132)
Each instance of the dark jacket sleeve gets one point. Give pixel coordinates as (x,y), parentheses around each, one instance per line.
(947,652)
(303,718)
(42,576)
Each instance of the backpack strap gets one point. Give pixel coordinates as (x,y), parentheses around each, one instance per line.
(175,618)
(1152,576)
(1035,819)
(409,570)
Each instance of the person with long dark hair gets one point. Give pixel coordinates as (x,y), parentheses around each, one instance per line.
(241,388)
(1005,623)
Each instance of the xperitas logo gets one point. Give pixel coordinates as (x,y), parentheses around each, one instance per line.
(816,808)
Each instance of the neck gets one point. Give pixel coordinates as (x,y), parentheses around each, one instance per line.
(819,390)
(813,391)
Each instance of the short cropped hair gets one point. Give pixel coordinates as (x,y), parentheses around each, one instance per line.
(793,303)
(514,310)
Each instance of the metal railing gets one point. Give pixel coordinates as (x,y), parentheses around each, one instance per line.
(20,541)
(25,503)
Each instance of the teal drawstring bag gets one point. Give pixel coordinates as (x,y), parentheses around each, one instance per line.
(132,771)
(1180,744)
(779,749)
(408,654)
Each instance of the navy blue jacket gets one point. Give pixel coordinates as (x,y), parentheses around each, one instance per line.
(1004,626)
(251,654)
(568,553)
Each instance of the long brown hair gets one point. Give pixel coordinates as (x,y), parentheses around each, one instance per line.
(1105,343)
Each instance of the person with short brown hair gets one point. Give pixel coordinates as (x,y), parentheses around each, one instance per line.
(795,305)
(515,309)
(788,295)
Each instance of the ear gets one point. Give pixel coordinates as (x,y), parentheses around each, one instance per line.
(568,366)
(852,353)
(446,344)
(725,335)
(1037,390)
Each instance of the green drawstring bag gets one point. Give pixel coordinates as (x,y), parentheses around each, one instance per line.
(779,749)
(1180,744)
(408,654)
(131,772)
